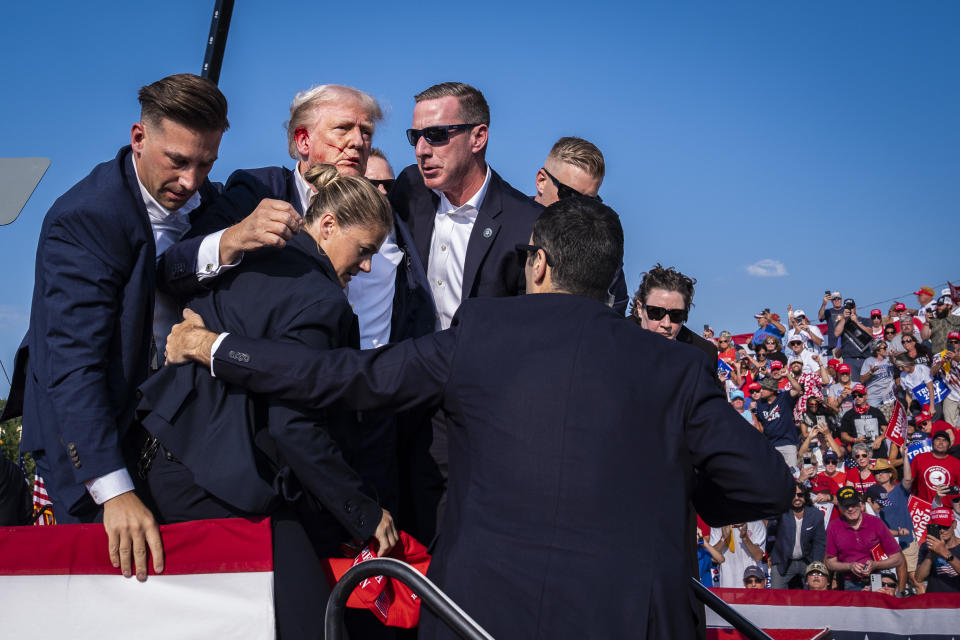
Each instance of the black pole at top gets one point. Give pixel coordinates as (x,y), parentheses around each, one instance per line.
(217,41)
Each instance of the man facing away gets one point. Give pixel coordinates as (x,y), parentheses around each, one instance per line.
(543,409)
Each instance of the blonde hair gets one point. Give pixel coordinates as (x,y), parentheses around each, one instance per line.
(305,108)
(352,200)
(580,153)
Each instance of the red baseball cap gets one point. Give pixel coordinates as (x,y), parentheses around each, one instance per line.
(776,364)
(833,363)
(859,387)
(876,312)
(899,307)
(922,417)
(953,335)
(942,516)
(753,386)
(924,291)
(843,368)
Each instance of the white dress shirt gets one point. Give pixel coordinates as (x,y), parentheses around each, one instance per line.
(448,251)
(168,227)
(370,294)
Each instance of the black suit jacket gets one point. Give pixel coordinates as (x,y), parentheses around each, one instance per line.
(414,313)
(574,439)
(813,538)
(241,447)
(88,344)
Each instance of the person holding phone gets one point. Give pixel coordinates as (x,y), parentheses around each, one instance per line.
(939,560)
(946,364)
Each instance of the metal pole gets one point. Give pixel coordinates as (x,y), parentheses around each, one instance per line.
(728,613)
(217,41)
(431,595)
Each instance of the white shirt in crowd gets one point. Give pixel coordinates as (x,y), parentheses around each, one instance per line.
(736,561)
(448,251)
(808,344)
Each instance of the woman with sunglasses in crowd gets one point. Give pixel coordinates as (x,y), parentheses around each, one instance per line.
(860,477)
(917,352)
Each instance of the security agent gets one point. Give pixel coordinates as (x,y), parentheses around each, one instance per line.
(543,393)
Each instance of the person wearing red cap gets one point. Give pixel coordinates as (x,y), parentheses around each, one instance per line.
(840,393)
(864,424)
(939,559)
(906,325)
(925,296)
(936,473)
(946,364)
(876,324)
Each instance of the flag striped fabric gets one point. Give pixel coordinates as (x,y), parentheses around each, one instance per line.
(42,507)
(217,583)
(850,615)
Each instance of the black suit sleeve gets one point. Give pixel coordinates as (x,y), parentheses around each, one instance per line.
(741,477)
(819,538)
(302,436)
(397,377)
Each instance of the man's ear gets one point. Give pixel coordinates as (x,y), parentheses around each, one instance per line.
(540,267)
(478,139)
(137,135)
(301,140)
(541,181)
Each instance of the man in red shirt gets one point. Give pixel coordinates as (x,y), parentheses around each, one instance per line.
(936,469)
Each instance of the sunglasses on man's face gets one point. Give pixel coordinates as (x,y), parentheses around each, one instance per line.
(891,585)
(563,191)
(677,316)
(436,135)
(857,394)
(386,184)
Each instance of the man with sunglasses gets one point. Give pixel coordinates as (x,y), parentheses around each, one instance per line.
(865,424)
(936,472)
(799,539)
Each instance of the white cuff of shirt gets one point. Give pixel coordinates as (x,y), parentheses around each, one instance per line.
(213,350)
(109,486)
(208,257)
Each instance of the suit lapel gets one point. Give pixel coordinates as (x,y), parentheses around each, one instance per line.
(126,158)
(484,233)
(422,218)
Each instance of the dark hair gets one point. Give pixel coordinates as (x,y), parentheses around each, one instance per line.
(807,502)
(668,278)
(473,106)
(186,99)
(583,240)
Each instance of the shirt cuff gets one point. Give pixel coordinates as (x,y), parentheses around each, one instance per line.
(208,257)
(213,350)
(109,486)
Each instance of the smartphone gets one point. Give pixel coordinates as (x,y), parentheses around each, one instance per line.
(827,292)
(876,582)
(806,460)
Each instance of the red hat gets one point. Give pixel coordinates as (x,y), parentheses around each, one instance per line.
(776,364)
(753,386)
(953,335)
(859,388)
(899,307)
(775,316)
(833,363)
(942,516)
(924,291)
(391,601)
(922,417)
(876,312)
(843,368)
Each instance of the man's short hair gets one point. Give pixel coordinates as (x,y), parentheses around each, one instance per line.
(188,100)
(473,106)
(376,152)
(579,153)
(304,110)
(583,241)
(667,278)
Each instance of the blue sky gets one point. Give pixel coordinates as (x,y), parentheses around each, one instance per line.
(822,138)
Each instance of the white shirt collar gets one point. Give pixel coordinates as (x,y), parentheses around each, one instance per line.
(471,206)
(156,211)
(304,190)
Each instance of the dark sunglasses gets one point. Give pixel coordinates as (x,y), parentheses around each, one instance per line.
(862,455)
(387,184)
(563,191)
(906,340)
(857,394)
(890,331)
(436,135)
(656,313)
(525,250)
(891,585)
(755,391)
(726,340)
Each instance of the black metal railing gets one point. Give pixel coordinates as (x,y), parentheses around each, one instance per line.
(725,611)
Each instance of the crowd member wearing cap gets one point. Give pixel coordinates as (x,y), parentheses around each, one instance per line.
(906,327)
(876,324)
(775,414)
(832,365)
(903,315)
(816,577)
(707,333)
(888,499)
(851,352)
(741,546)
(925,301)
(800,327)
(912,375)
(830,315)
(822,493)
(936,472)
(833,472)
(840,393)
(939,559)
(768,324)
(800,538)
(940,323)
(946,364)
(780,374)
(725,349)
(754,578)
(877,374)
(736,401)
(817,438)
(851,539)
(888,582)
(809,358)
(864,424)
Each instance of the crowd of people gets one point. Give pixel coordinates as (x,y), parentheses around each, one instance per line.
(824,391)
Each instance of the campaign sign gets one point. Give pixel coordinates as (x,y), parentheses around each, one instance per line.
(723,368)
(916,448)
(897,427)
(919,517)
(940,391)
(878,553)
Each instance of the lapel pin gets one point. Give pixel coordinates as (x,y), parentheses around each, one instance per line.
(487,232)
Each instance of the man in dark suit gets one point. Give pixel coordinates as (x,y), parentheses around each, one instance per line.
(96,324)
(553,529)
(800,539)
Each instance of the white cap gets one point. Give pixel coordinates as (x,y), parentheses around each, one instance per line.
(945,291)
(836,294)
(799,312)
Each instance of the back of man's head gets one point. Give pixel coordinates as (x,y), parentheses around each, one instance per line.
(306,106)
(579,153)
(188,100)
(584,241)
(473,106)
